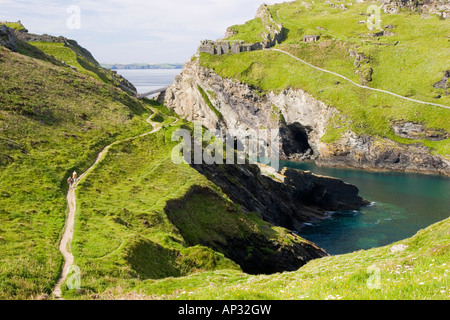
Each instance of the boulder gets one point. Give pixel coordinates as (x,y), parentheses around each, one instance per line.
(8,38)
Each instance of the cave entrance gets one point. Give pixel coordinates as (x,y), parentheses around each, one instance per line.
(295,140)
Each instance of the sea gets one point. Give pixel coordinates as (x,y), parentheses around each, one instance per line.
(146,80)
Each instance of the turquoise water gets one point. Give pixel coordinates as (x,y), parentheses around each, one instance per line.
(402,204)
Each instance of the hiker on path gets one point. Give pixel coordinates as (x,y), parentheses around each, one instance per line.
(74,176)
(70,181)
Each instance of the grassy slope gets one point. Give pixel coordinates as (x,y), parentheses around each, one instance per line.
(421,272)
(409,68)
(112,246)
(121,258)
(53,120)
(251,32)
(117,252)
(74,56)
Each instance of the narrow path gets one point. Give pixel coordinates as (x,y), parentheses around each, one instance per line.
(361,86)
(66,240)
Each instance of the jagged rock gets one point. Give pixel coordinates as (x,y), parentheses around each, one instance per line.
(146,224)
(390,26)
(230,32)
(8,38)
(301,196)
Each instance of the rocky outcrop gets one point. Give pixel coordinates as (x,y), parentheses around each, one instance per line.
(374,153)
(301,119)
(225,47)
(299,197)
(8,38)
(439,7)
(417,131)
(31,37)
(257,250)
(274,29)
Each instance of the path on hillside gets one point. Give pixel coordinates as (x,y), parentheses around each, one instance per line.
(359,85)
(66,240)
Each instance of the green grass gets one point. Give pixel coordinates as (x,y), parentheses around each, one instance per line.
(53,121)
(250,32)
(410,67)
(71,54)
(14,25)
(127,243)
(421,272)
(135,226)
(62,53)
(112,245)
(209,103)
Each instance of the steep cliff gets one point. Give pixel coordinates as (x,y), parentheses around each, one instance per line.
(7,38)
(301,119)
(289,199)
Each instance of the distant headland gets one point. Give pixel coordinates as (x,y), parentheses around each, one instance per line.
(118,66)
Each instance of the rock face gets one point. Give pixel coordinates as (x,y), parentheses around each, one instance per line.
(301,119)
(416,131)
(8,38)
(298,198)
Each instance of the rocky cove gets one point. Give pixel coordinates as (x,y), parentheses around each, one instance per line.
(346,218)
(302,121)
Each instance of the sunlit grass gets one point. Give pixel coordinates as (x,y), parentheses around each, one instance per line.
(408,63)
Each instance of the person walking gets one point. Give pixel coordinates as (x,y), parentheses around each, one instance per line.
(70,181)
(74,176)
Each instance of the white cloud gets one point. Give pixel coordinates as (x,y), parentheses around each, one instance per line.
(156,30)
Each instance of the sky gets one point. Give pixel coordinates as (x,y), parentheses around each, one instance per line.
(133,31)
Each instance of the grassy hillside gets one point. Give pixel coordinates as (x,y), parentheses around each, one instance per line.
(135,225)
(65,52)
(413,269)
(128,246)
(408,63)
(129,242)
(53,120)
(73,55)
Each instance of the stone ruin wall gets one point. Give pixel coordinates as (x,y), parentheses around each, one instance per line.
(273,36)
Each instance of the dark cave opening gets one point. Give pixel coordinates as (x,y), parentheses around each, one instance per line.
(295,140)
